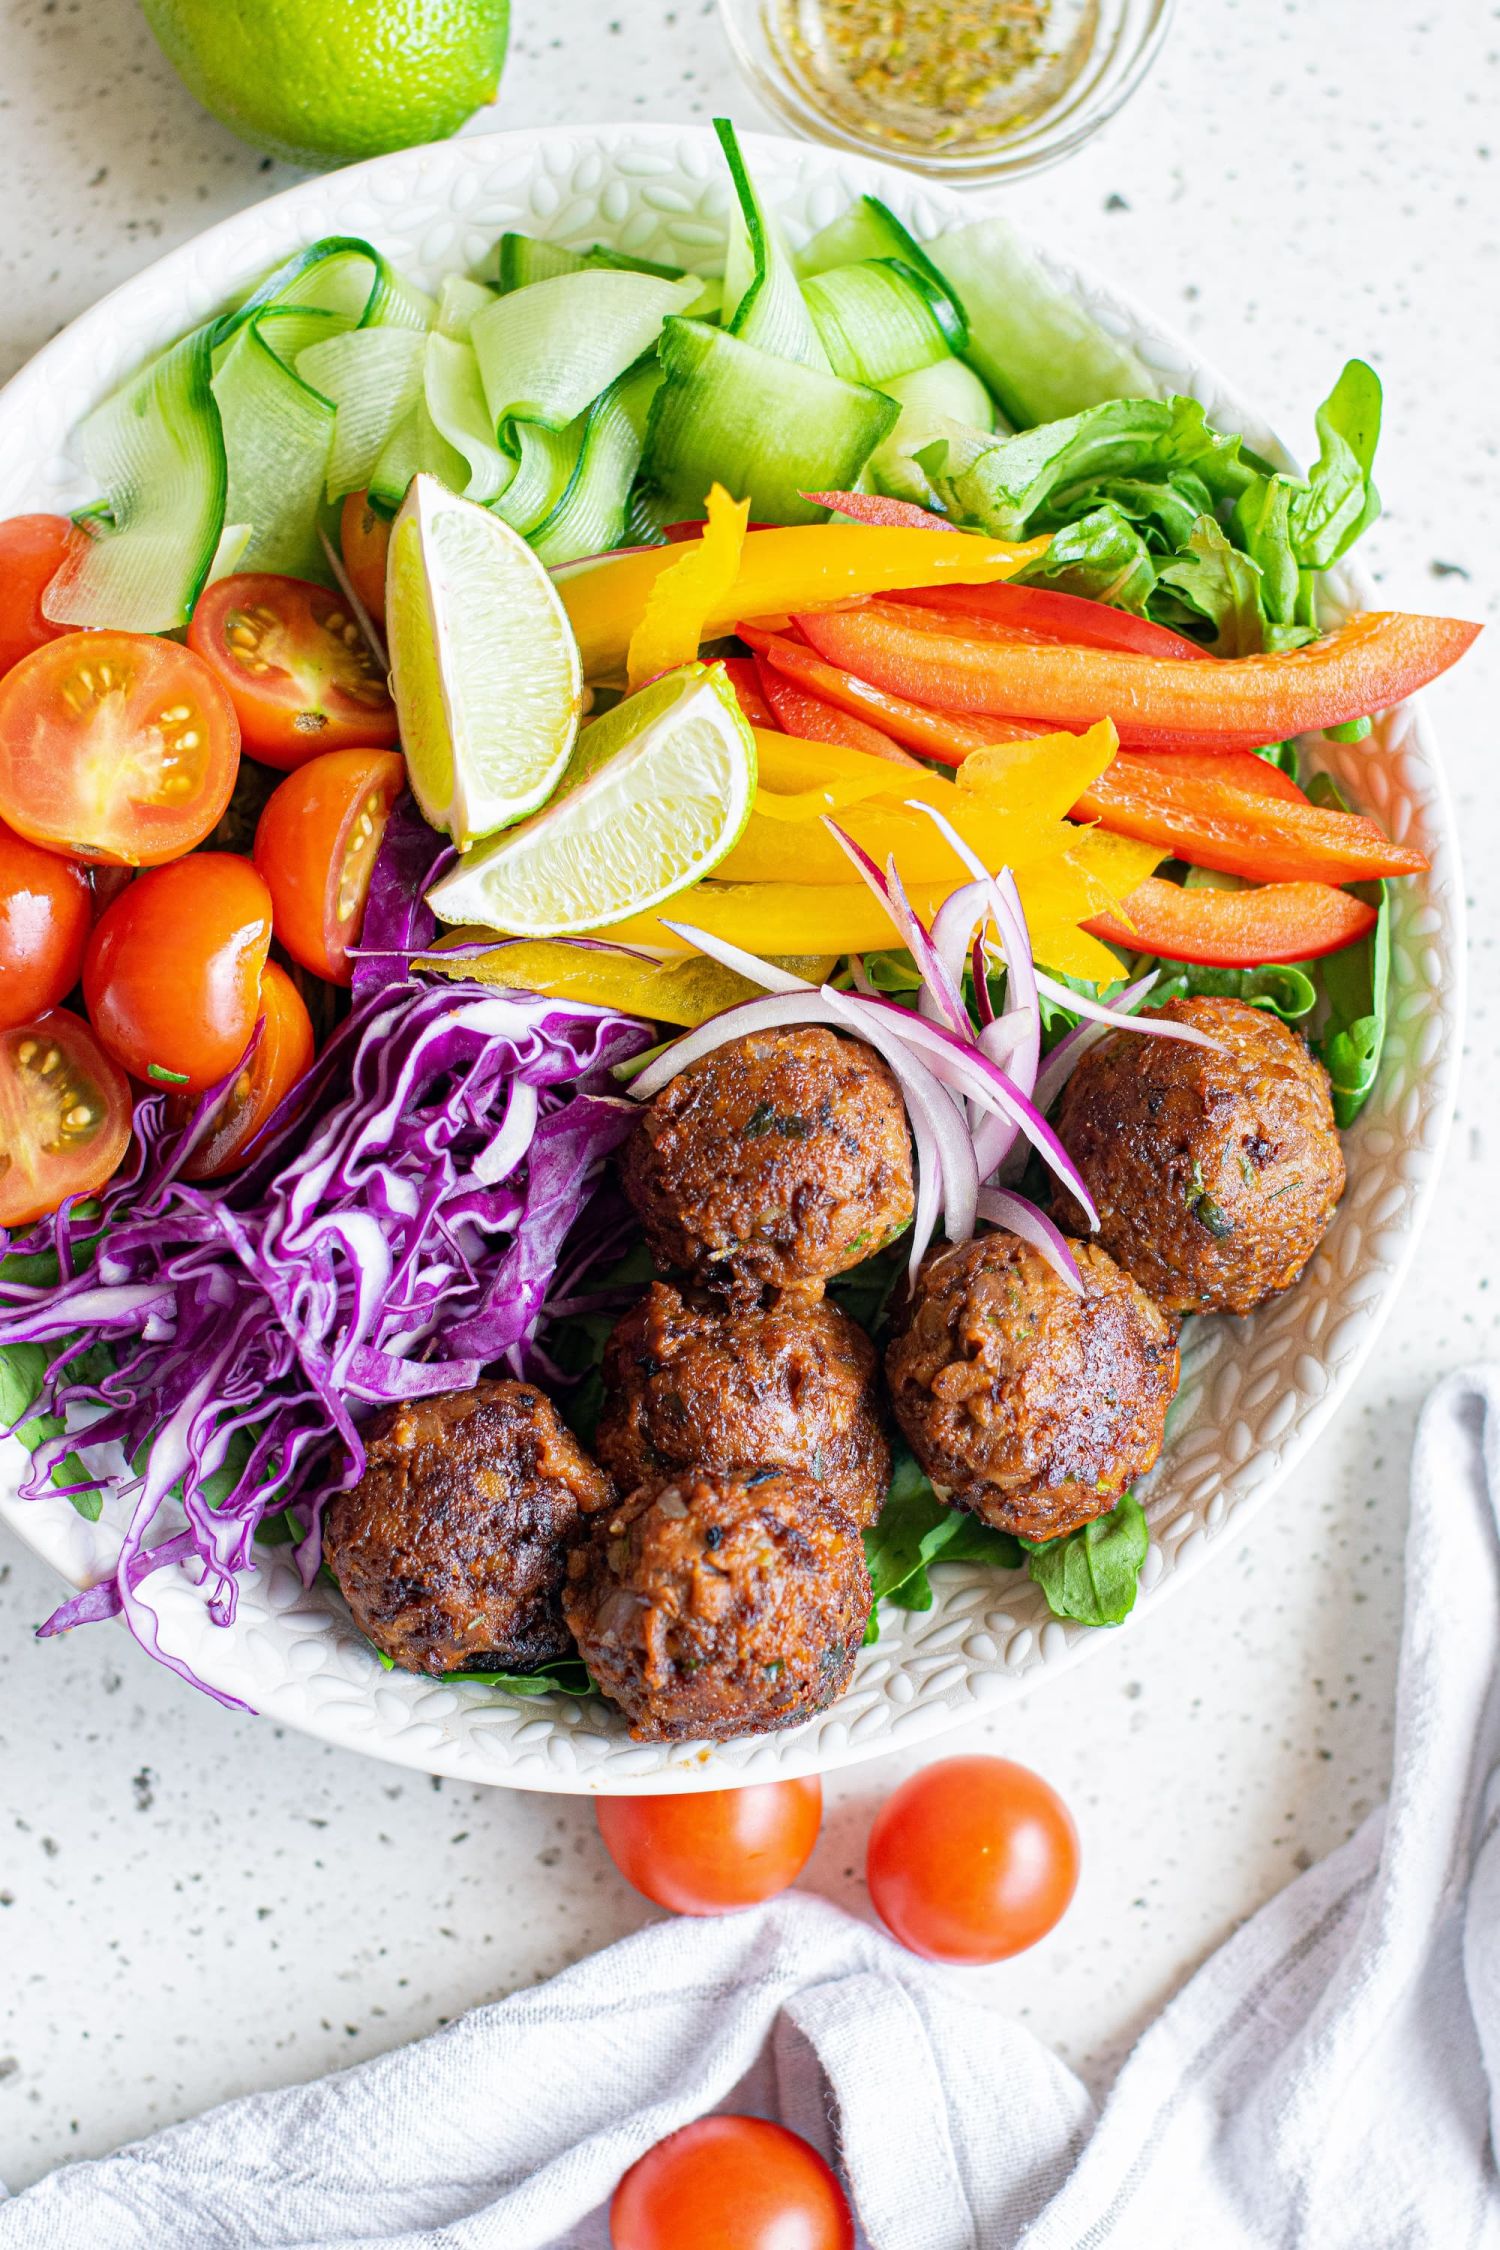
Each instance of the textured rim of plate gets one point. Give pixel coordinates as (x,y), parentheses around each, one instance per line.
(1256,1395)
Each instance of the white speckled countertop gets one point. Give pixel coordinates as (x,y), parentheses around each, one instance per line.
(192,1904)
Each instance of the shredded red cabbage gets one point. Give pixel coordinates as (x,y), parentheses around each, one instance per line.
(397,1229)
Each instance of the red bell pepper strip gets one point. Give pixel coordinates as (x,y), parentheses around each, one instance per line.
(1211,823)
(813,720)
(1366,665)
(1236,929)
(744,678)
(934,734)
(1241,768)
(872,507)
(1056,617)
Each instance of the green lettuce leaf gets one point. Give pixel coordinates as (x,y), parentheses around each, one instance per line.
(1280,988)
(1222,587)
(1339,500)
(1101,557)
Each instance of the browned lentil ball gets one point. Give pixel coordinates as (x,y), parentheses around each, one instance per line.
(1030,1406)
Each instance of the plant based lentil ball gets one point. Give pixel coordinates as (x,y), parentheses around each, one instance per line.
(451,1549)
(794,1387)
(1030,1406)
(721,1603)
(1215,1170)
(776,1161)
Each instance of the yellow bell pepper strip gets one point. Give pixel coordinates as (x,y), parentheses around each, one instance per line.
(683,595)
(677,991)
(836,918)
(795,566)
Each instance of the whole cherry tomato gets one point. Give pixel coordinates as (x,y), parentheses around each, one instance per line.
(283,1054)
(315,845)
(971,1860)
(46,907)
(115,746)
(173,969)
(64,1115)
(730,2183)
(31,548)
(364,542)
(297,666)
(717,1849)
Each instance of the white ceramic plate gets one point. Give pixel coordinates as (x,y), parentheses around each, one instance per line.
(1255,1394)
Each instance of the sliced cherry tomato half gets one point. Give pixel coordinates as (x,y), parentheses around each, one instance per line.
(315,846)
(972,1859)
(730,2183)
(1236,929)
(31,549)
(115,746)
(64,1115)
(364,543)
(1368,664)
(874,508)
(812,720)
(46,911)
(1211,822)
(282,1055)
(173,969)
(297,666)
(717,1849)
(1047,615)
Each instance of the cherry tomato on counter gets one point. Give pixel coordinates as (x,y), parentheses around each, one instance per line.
(296,665)
(315,846)
(364,542)
(173,970)
(64,1115)
(46,909)
(31,548)
(971,1860)
(717,1849)
(115,746)
(282,1056)
(730,2183)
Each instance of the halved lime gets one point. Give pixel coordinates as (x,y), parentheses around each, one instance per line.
(656,793)
(484,665)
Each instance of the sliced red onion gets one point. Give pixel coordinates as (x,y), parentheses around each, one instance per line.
(1108,1014)
(980,972)
(940,990)
(1018,1217)
(1004,901)
(777,1012)
(1070,1050)
(748,965)
(936,1120)
(969,1070)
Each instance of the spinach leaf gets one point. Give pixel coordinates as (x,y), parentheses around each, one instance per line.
(1262,527)
(916,1529)
(22,1370)
(1356,988)
(1092,1574)
(1280,988)
(1222,586)
(1339,500)
(565,1675)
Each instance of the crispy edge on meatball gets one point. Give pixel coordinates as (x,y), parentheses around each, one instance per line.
(452,1548)
(1033,1408)
(793,1387)
(1215,1170)
(720,1604)
(778,1160)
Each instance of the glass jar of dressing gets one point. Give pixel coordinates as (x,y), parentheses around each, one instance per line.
(968,89)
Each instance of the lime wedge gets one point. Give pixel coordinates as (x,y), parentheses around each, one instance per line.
(655,794)
(484,665)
